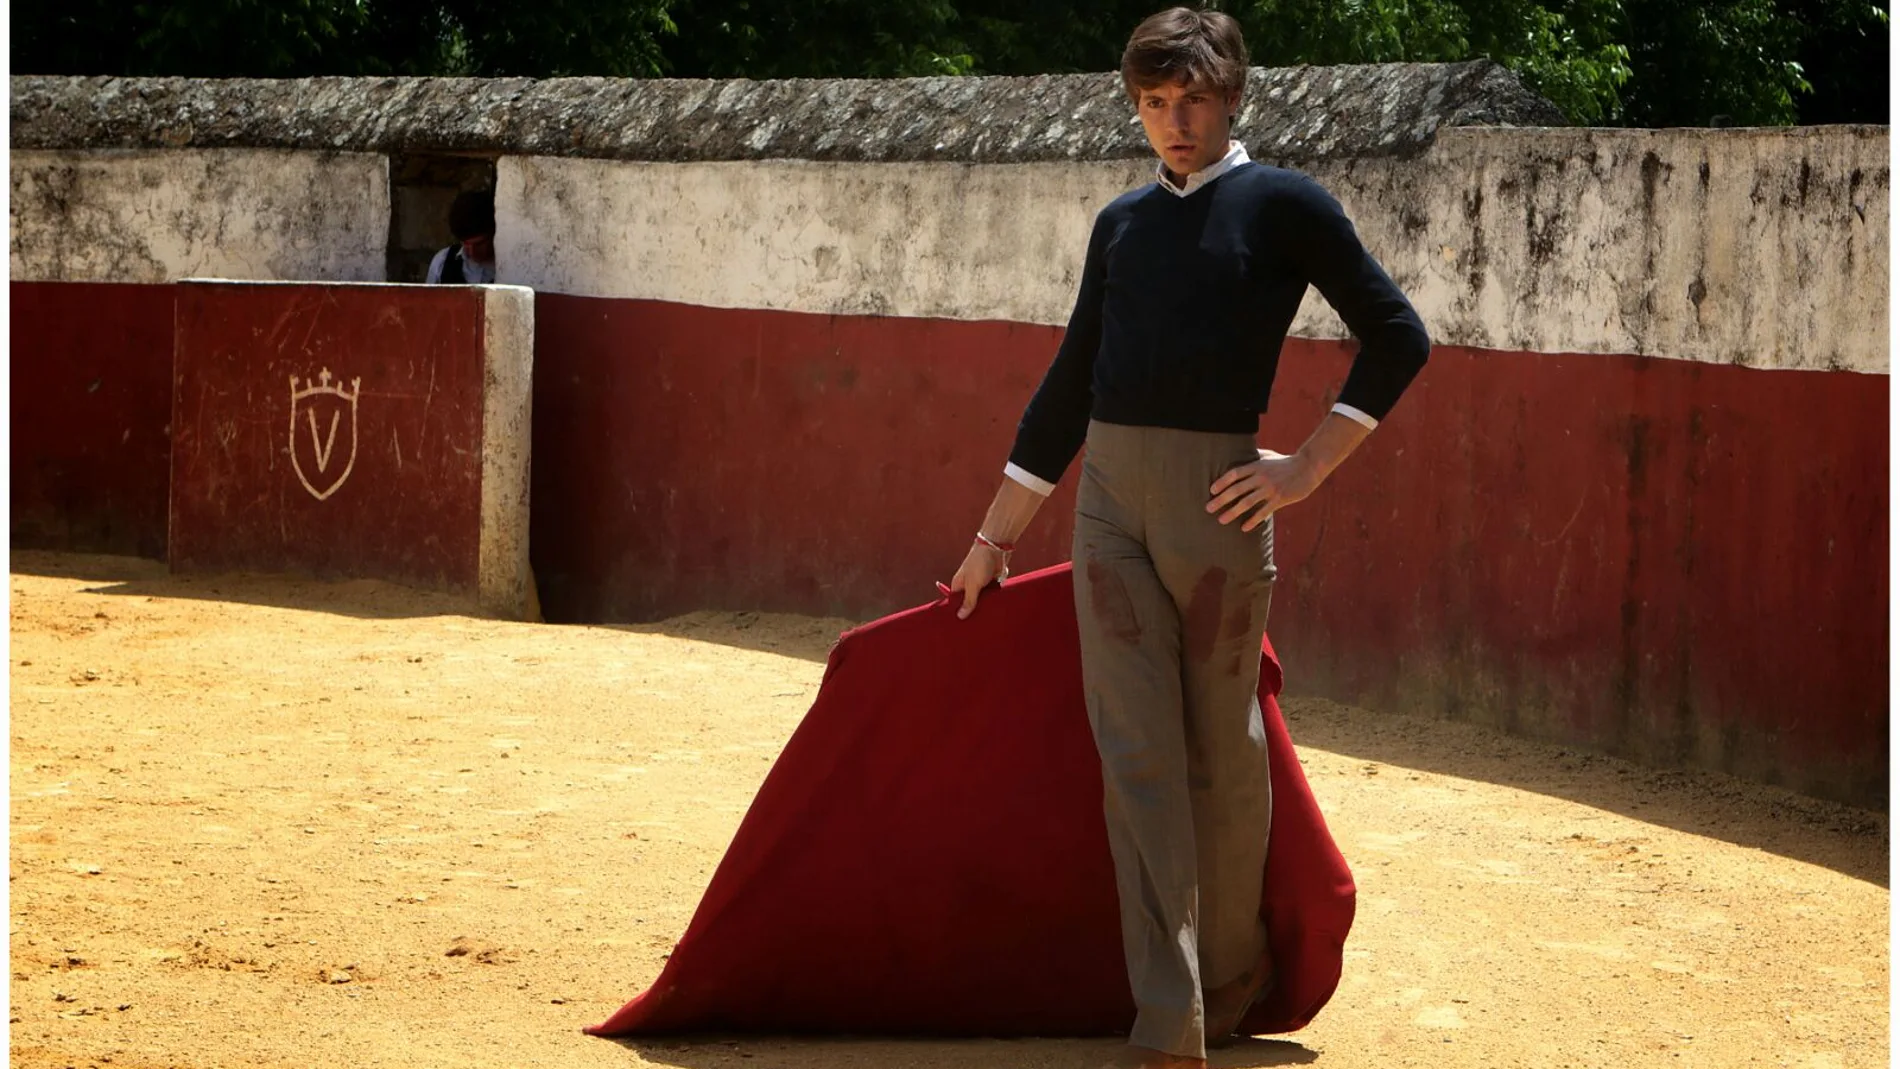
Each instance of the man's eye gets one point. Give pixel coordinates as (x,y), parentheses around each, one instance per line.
(1195,99)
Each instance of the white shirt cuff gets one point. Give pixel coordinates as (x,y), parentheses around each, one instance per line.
(1357,416)
(1041,486)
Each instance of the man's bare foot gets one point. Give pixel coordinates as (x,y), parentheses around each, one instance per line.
(1228,1003)
(1143,1058)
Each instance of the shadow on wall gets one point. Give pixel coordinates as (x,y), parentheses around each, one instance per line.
(704,1052)
(1848,840)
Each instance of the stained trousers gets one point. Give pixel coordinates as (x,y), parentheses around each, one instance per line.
(1171,605)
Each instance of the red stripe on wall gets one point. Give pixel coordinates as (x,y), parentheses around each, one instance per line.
(693,458)
(91,411)
(1681,562)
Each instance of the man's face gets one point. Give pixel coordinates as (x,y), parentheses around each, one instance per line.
(1187,124)
(479,249)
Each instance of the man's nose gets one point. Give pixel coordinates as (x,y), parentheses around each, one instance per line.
(1178,116)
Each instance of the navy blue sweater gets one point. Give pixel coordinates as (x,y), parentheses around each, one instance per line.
(1185,302)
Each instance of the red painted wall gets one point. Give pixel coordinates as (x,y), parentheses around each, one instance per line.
(1678,562)
(91,402)
(689,458)
(1681,562)
(409,509)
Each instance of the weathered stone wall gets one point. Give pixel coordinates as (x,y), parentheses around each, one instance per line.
(157,216)
(1295,112)
(1760,248)
(137,180)
(955,241)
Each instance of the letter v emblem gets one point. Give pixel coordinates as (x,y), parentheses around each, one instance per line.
(323,448)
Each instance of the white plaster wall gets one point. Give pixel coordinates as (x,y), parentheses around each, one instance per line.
(157,216)
(505,582)
(1591,241)
(962,241)
(1761,248)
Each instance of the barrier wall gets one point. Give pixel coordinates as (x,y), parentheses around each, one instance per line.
(1637,500)
(1576,547)
(1624,553)
(689,458)
(1587,522)
(90,416)
(97,237)
(360,431)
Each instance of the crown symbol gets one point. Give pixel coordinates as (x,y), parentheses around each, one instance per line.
(321,384)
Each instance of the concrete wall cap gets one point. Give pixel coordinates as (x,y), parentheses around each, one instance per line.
(1288,114)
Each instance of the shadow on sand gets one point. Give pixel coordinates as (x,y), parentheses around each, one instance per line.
(804,637)
(1846,839)
(1854,842)
(808,638)
(729,1052)
(1851,841)
(131,577)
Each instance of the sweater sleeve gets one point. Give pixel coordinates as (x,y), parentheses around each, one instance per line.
(1057,418)
(1393,342)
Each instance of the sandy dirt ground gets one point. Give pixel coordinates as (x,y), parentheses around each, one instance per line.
(274,822)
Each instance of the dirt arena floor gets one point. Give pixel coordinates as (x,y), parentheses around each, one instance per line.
(272,822)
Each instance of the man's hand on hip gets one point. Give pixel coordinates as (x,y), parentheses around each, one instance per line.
(1262,488)
(1275,481)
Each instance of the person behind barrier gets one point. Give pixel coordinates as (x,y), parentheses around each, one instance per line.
(1187,291)
(472,258)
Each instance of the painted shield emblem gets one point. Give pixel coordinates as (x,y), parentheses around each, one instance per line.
(323,432)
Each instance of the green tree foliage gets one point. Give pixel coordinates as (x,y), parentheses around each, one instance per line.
(554,38)
(298,38)
(207,38)
(1844,53)
(1637,62)
(1726,62)
(1566,50)
(816,39)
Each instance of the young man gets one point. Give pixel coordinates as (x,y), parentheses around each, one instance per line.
(472,258)
(1187,292)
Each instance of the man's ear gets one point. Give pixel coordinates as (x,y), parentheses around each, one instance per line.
(1233,105)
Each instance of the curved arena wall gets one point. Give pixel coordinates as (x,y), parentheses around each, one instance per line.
(1638,499)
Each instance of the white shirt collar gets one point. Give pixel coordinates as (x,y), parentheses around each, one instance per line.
(1236,155)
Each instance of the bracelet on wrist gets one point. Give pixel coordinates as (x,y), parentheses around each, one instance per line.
(1005,548)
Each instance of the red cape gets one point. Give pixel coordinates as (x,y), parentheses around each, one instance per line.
(928,854)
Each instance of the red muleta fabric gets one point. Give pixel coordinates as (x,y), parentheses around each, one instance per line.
(928,855)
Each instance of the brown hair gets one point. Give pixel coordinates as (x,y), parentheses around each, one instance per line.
(1182,45)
